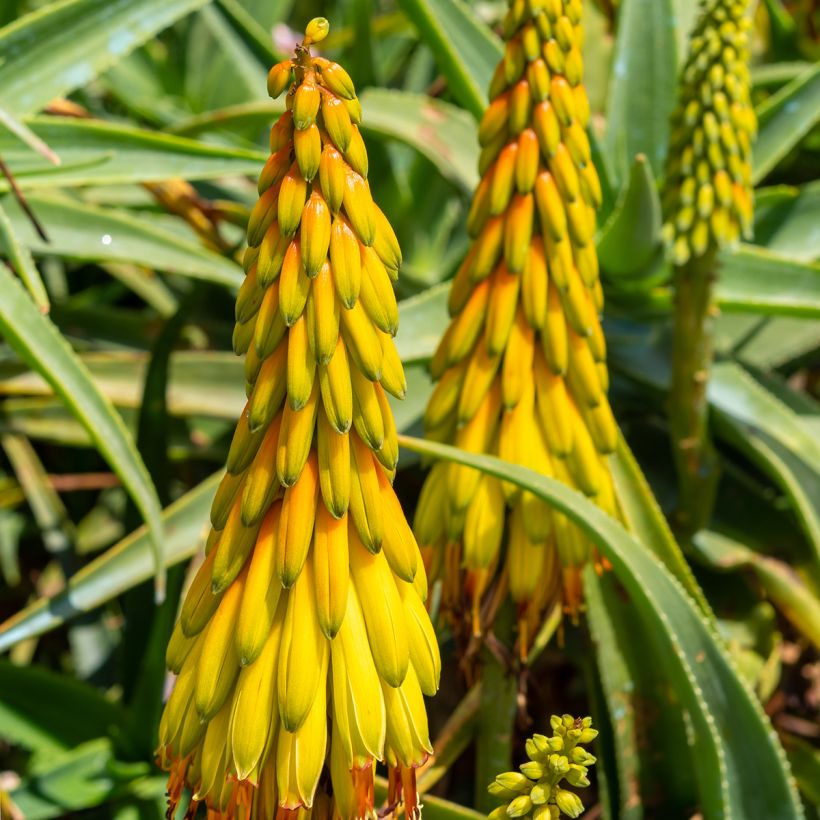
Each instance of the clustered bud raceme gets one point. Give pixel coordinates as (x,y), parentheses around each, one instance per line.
(303,647)
(709,199)
(536,790)
(521,369)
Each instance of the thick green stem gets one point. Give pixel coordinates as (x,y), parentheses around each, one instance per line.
(692,354)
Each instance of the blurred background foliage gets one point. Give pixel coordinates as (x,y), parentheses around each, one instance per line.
(157,112)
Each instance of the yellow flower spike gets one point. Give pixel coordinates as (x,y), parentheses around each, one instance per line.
(521,368)
(291,615)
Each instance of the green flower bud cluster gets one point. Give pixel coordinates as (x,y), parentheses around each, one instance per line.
(536,790)
(708,200)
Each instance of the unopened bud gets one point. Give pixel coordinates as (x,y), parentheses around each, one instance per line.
(569,803)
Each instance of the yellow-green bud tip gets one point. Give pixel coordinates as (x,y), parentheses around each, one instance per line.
(316,30)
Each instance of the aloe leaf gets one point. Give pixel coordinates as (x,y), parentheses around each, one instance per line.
(741,768)
(756,279)
(423,319)
(630,238)
(23,263)
(79,231)
(125,565)
(104,153)
(643,86)
(45,712)
(649,732)
(784,119)
(644,519)
(782,585)
(64,45)
(466,51)
(38,342)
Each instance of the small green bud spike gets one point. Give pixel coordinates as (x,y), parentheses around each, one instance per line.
(713,127)
(536,791)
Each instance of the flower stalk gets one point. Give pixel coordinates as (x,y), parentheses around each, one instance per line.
(708,206)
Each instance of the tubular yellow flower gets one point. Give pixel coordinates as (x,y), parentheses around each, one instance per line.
(309,605)
(709,199)
(521,369)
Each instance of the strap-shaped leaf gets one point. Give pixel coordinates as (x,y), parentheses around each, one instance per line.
(466,51)
(38,342)
(742,769)
(66,44)
(785,118)
(643,85)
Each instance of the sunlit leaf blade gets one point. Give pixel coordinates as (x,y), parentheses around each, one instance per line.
(752,776)
(643,85)
(466,51)
(647,723)
(104,153)
(785,118)
(755,279)
(645,520)
(26,135)
(80,231)
(22,262)
(38,342)
(443,133)
(125,565)
(782,585)
(64,45)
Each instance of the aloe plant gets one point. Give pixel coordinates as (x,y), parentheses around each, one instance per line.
(132,134)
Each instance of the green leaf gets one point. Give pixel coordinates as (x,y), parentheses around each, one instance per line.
(103,153)
(80,231)
(645,520)
(21,260)
(805,762)
(125,565)
(647,724)
(630,240)
(773,436)
(38,342)
(466,51)
(443,133)
(782,585)
(643,87)
(423,319)
(26,135)
(745,773)
(45,712)
(66,44)
(438,130)
(791,225)
(756,279)
(784,119)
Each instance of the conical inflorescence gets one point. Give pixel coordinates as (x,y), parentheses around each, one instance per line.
(521,368)
(303,647)
(708,200)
